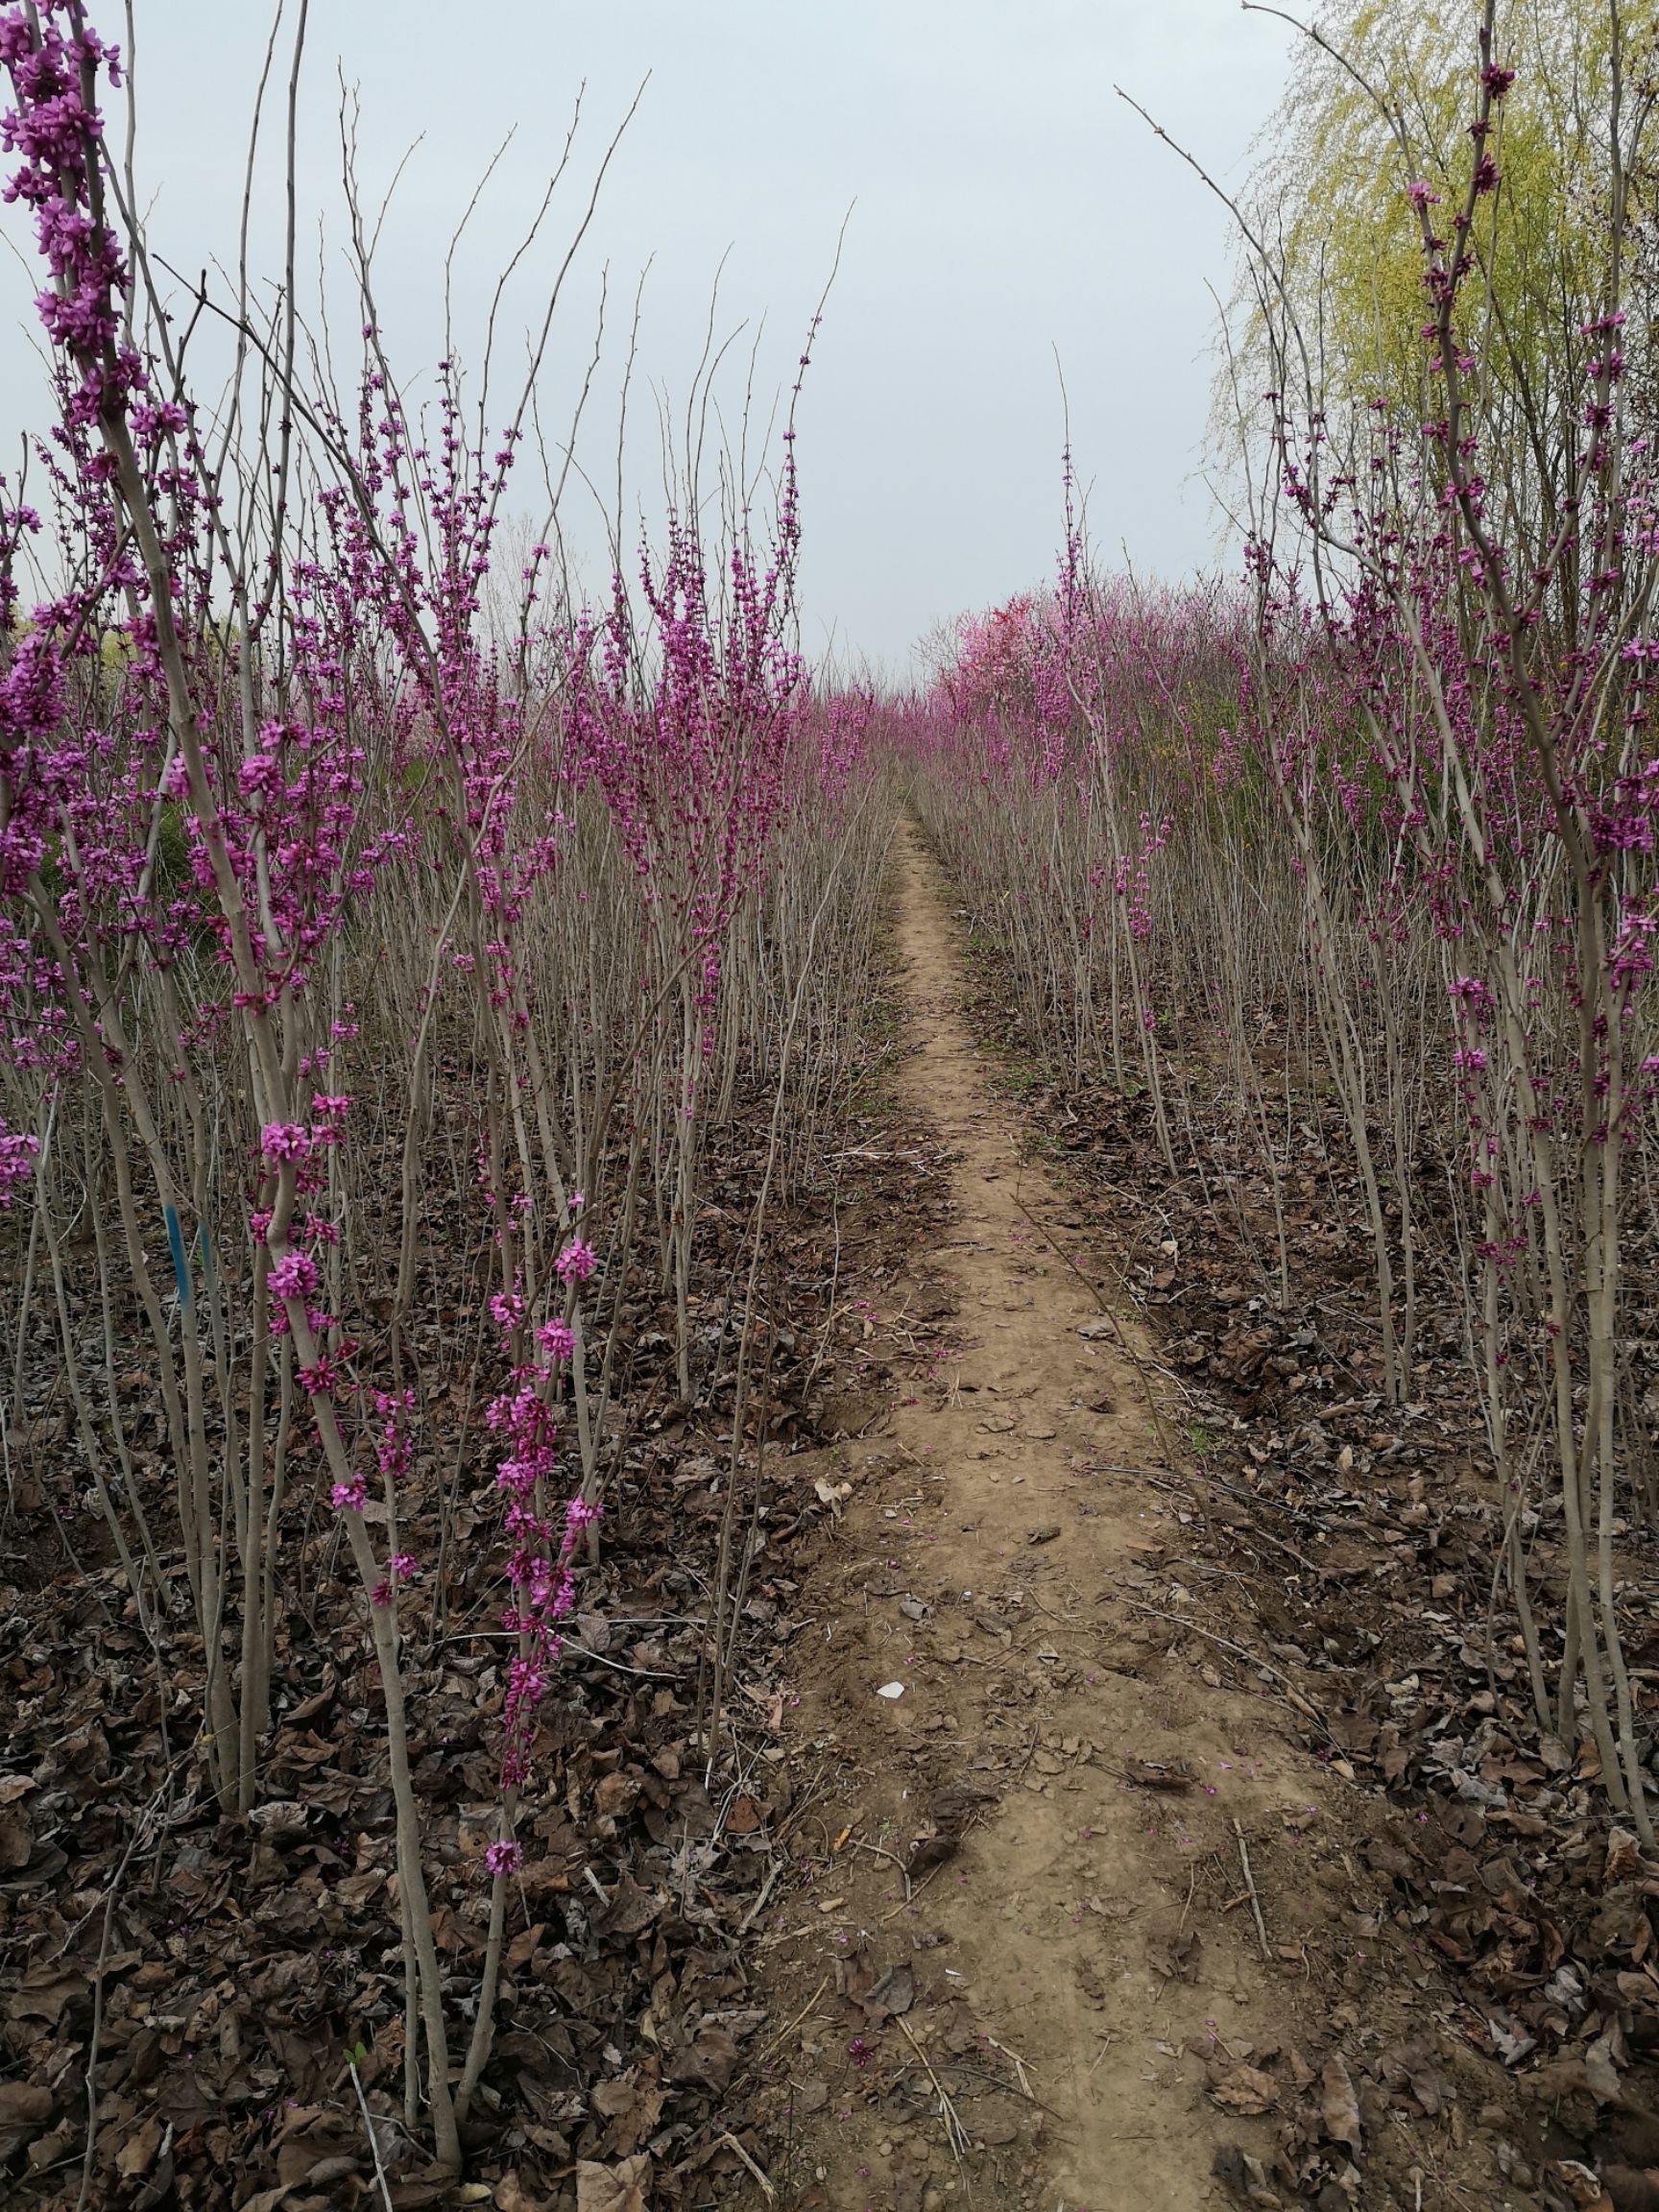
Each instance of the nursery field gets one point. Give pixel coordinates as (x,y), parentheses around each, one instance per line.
(781,1440)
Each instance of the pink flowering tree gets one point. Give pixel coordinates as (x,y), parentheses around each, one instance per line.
(189,821)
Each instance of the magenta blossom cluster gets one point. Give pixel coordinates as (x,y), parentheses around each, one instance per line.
(20,1149)
(542,1543)
(55,130)
(290,1216)
(557,1339)
(693,761)
(577,1262)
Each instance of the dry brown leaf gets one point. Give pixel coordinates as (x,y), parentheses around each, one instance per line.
(137,2154)
(1338,2105)
(894,1994)
(616,1794)
(1158,1773)
(512,2195)
(522,1948)
(25,2108)
(712,2059)
(1624,1856)
(46,1994)
(1175,1958)
(1583,2185)
(16,1841)
(620,2188)
(1246,2091)
(632,2107)
(1600,2075)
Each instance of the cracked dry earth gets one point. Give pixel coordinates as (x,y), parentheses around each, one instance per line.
(1047,1972)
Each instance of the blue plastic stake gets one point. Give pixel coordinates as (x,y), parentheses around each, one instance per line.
(176,1243)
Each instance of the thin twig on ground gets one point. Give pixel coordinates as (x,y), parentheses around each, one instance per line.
(955,2134)
(1250,1887)
(373,2139)
(732,2144)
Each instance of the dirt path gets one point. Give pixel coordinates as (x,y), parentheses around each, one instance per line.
(1068,1937)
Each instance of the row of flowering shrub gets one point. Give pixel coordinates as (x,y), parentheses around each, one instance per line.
(1387,809)
(325,894)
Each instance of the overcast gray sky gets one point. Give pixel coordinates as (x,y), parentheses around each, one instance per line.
(1005,204)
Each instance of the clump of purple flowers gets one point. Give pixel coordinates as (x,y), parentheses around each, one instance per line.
(544,1543)
(577,1262)
(57,133)
(20,1149)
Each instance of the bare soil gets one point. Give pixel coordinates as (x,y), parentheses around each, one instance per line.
(1024,1965)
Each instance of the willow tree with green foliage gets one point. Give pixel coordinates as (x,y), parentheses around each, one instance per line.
(1348,243)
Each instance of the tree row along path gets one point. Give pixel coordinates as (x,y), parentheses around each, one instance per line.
(989,1563)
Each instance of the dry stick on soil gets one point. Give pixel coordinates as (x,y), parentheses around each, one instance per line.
(1256,1536)
(1094,1291)
(755,2064)
(732,2142)
(1238,1651)
(955,2134)
(983,2074)
(796,2022)
(905,1903)
(373,2139)
(1191,1892)
(1017,2062)
(1250,1888)
(759,1905)
(857,1843)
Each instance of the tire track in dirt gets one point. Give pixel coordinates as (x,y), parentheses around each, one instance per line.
(1065,1923)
